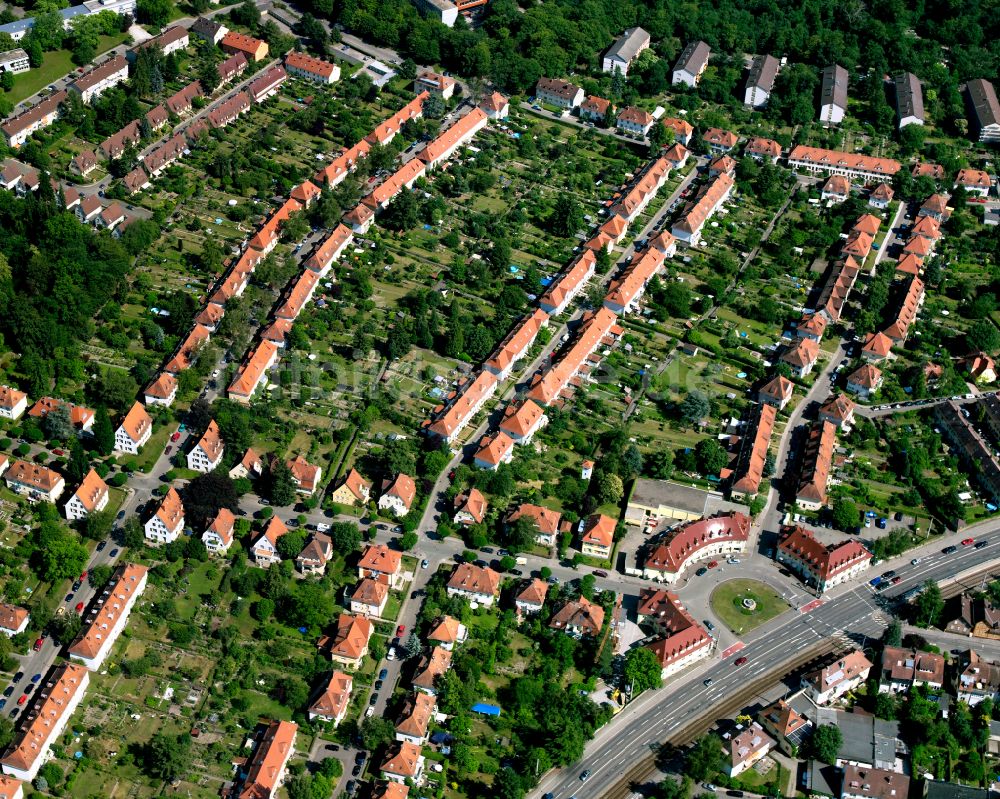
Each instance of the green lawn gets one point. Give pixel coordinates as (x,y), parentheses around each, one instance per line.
(727,604)
(55,65)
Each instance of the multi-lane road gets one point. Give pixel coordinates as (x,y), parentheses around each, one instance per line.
(850,613)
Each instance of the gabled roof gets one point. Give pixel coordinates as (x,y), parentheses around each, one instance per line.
(34,475)
(823,562)
(123,587)
(472,502)
(211,442)
(379,558)
(416,716)
(520,418)
(351,636)
(370,592)
(402,487)
(494,448)
(91,491)
(222,525)
(171,510)
(446,630)
(599,530)
(779,388)
(335,696)
(545,519)
(764,147)
(474,579)
(533,592)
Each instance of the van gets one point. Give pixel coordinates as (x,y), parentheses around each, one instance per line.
(321,527)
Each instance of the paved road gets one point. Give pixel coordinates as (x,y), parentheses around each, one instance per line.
(850,610)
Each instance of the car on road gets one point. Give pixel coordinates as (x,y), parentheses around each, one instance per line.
(166,449)
(424,563)
(733,561)
(585,775)
(79,607)
(713,564)
(701,572)
(896,580)
(915,561)
(3,704)
(101,545)
(600,573)
(373,699)
(981,544)
(383,674)
(69,597)
(968,542)
(709,626)
(707,681)
(949,550)
(735,793)
(38,644)
(83,576)
(76,585)
(740,661)
(18,676)
(875,582)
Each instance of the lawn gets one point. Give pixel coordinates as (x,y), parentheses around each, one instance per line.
(54,66)
(727,604)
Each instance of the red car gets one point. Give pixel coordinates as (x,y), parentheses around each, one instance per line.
(38,644)
(896,580)
(79,607)
(58,452)
(83,576)
(175,436)
(968,542)
(712,564)
(740,661)
(22,699)
(401,629)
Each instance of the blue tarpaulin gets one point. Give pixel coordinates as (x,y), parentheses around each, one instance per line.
(486,710)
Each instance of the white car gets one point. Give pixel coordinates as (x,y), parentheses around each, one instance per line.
(733,561)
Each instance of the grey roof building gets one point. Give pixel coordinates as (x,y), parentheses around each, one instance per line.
(909,100)
(760,81)
(833,95)
(984,110)
(625,50)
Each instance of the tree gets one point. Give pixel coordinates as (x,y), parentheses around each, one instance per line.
(826,742)
(928,606)
(168,757)
(408,540)
(608,488)
(411,646)
(58,424)
(63,558)
(99,575)
(6,732)
(344,536)
(206,494)
(642,670)
(567,215)
(282,484)
(133,536)
(983,335)
(104,433)
(885,706)
(711,456)
(704,759)
(66,628)
(78,465)
(153,12)
(893,633)
(845,514)
(695,407)
(376,732)
(98,524)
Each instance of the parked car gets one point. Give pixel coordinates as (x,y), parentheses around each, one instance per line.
(101,545)
(424,563)
(38,644)
(113,553)
(600,573)
(383,674)
(709,626)
(79,607)
(22,699)
(701,572)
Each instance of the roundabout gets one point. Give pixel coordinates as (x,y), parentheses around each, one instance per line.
(743,604)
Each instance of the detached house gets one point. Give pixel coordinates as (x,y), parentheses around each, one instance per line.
(594,108)
(404,762)
(331,705)
(398,495)
(382,564)
(802,356)
(634,120)
(598,536)
(161,391)
(219,535)
(625,50)
(448,631)
(432,665)
(546,522)
(369,598)
(34,481)
(349,644)
(579,617)
(470,507)
(13,619)
(208,452)
(902,669)
(90,497)
(166,525)
(416,717)
(745,747)
(316,553)
(829,683)
(13,403)
(265,549)
(558,92)
(531,598)
(134,431)
(474,583)
(305,475)
(354,491)
(777,392)
(691,64)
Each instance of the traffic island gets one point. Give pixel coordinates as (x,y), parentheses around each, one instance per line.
(744,604)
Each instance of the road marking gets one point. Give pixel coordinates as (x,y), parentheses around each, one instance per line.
(811,605)
(732,649)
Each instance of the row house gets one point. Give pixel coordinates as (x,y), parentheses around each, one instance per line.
(91,497)
(837,288)
(166,154)
(166,525)
(691,64)
(516,345)
(760,81)
(116,144)
(265,770)
(549,385)
(98,80)
(398,494)
(183,101)
(211,315)
(761,149)
(300,294)
(207,454)
(106,621)
(386,131)
(330,250)
(403,178)
(341,166)
(59,695)
(253,372)
(724,534)
(521,420)
(821,567)
(253,49)
(568,284)
(464,404)
(817,461)
(626,292)
(909,306)
(354,491)
(17,129)
(232,68)
(861,782)
(32,480)
(134,431)
(444,146)
(977,679)
(267,84)
(865,168)
(681,640)
(227,111)
(710,198)
(903,669)
(13,403)
(157,117)
(559,93)
(973,449)
(634,201)
(306,193)
(219,535)
(312,69)
(749,470)
(266,237)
